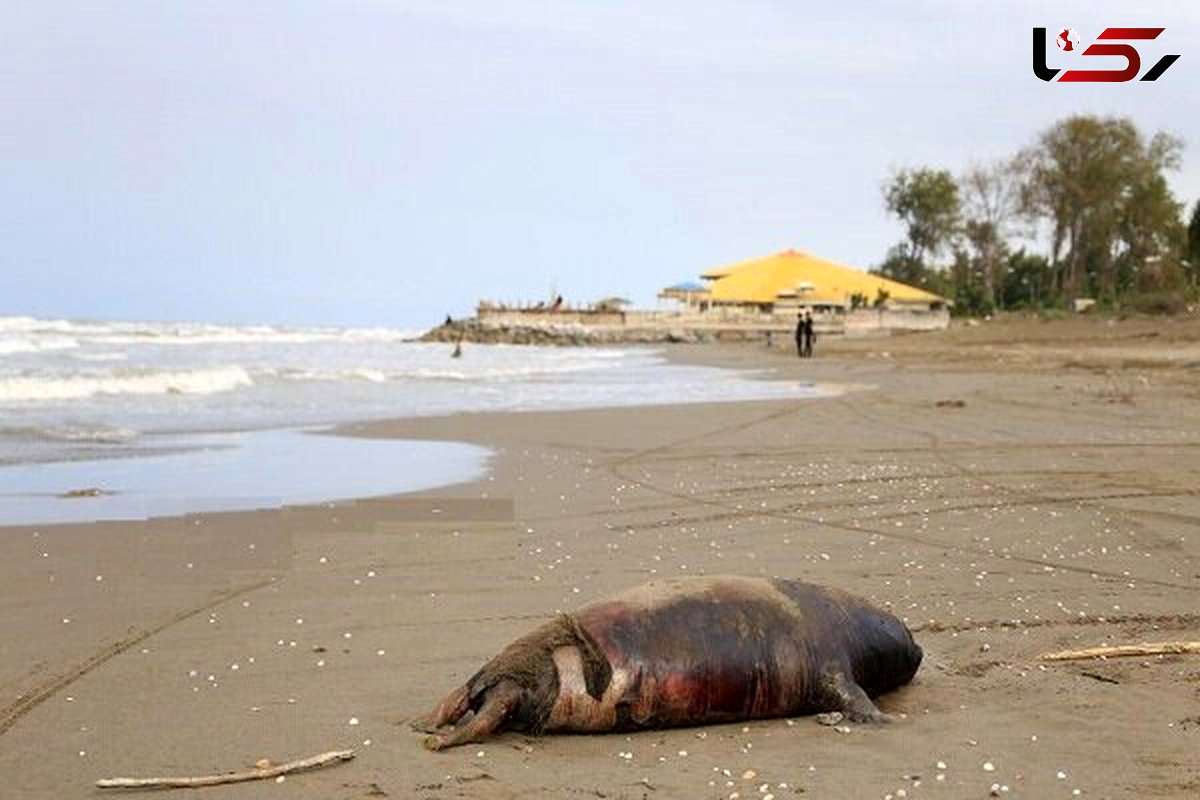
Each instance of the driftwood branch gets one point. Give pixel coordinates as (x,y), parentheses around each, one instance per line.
(257,774)
(1118,651)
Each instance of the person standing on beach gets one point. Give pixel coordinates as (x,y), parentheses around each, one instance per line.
(810,335)
(800,335)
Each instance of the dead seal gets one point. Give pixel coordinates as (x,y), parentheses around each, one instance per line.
(691,651)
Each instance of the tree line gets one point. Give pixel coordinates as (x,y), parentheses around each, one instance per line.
(1091,190)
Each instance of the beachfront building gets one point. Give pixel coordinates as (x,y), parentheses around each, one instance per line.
(786,283)
(689,295)
(751,300)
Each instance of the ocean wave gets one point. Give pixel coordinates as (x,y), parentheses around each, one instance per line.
(493,373)
(131,382)
(379,375)
(195,333)
(368,374)
(379,334)
(43,326)
(193,336)
(68,432)
(22,324)
(101,356)
(28,344)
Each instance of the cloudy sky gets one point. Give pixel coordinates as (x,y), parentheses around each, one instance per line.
(387,162)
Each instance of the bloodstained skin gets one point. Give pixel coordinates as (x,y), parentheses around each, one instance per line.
(688,652)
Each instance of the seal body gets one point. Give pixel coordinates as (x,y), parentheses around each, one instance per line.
(686,652)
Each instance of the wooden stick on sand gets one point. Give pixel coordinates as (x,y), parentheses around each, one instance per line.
(1117,651)
(323,760)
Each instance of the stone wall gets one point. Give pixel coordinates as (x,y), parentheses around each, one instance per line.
(546,318)
(882,321)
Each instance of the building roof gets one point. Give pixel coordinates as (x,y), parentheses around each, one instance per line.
(792,273)
(687,286)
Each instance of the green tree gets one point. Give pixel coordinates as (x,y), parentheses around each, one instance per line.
(1028,281)
(899,266)
(966,286)
(1100,185)
(927,202)
(1153,237)
(990,206)
(1192,255)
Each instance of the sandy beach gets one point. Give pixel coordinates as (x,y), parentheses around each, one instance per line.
(1009,489)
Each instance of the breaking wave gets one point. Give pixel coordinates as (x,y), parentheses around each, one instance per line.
(71,432)
(190,333)
(131,382)
(10,345)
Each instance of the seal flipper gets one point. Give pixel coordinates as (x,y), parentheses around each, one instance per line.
(447,713)
(850,698)
(500,701)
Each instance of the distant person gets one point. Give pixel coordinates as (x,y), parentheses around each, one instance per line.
(449,321)
(558,301)
(458,347)
(800,335)
(810,335)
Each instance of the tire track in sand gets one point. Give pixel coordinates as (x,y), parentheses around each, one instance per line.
(13,712)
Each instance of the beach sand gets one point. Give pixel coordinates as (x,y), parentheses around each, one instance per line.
(1009,489)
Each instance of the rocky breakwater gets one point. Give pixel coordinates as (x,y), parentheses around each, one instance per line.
(472,330)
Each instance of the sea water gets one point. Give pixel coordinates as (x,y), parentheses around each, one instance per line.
(231,472)
(89,391)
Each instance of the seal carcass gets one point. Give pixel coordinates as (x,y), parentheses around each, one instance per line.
(686,652)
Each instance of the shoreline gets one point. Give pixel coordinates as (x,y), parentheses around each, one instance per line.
(136,486)
(118,495)
(1001,528)
(494,378)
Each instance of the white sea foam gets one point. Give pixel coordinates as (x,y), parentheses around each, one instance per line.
(62,326)
(499,373)
(197,333)
(90,433)
(147,382)
(350,374)
(10,345)
(101,356)
(19,324)
(70,432)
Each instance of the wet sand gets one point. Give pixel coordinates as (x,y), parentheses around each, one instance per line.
(1009,489)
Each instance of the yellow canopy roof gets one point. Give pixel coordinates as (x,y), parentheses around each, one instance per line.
(763,280)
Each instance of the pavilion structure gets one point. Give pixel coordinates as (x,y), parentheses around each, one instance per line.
(791,281)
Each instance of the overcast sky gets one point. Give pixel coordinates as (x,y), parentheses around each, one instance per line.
(388,162)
